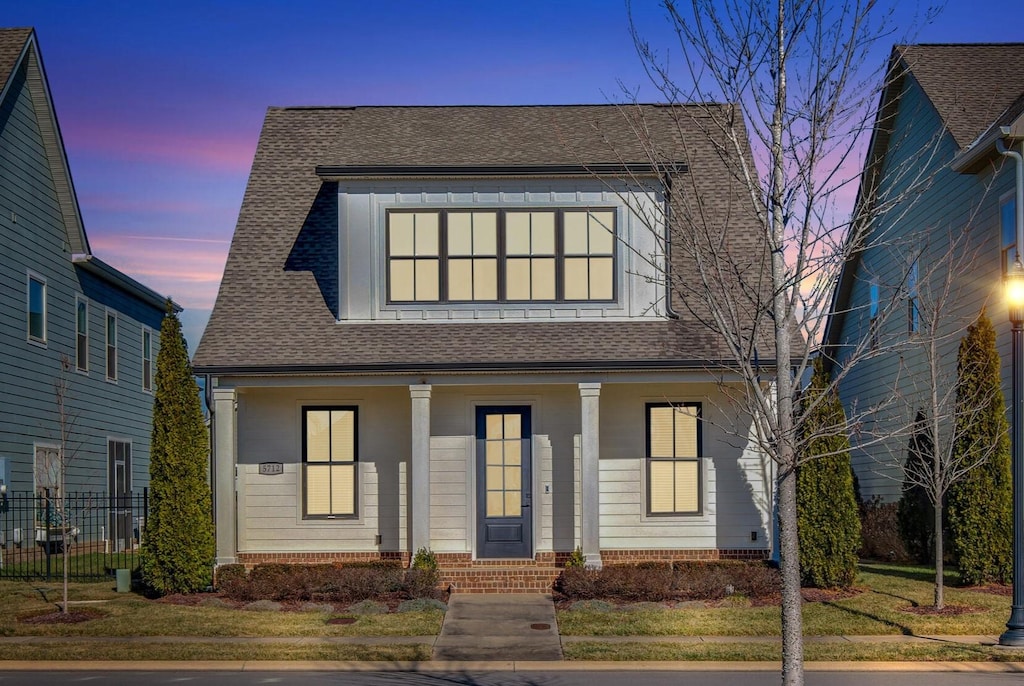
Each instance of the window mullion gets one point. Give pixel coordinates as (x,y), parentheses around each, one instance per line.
(559,256)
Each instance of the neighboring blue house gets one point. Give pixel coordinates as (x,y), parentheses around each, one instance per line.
(61,306)
(937,124)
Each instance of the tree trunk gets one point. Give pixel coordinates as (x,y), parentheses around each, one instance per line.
(792,620)
(937,509)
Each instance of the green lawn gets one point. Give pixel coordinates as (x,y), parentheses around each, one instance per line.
(887,591)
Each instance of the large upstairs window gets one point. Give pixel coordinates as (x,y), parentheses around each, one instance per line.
(499,256)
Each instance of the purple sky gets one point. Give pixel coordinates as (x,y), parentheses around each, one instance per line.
(160,104)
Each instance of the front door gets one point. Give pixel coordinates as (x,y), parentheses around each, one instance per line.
(503,482)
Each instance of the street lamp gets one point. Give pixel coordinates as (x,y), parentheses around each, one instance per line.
(1014,634)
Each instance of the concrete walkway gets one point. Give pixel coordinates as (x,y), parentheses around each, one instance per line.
(500,626)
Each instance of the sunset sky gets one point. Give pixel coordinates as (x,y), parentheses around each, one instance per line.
(160,104)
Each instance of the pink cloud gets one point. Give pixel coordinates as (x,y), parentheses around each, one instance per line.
(226,152)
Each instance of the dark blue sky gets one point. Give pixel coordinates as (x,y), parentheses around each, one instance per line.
(160,103)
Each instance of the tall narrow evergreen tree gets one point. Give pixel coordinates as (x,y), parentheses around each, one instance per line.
(178,542)
(828,522)
(981,503)
(916,513)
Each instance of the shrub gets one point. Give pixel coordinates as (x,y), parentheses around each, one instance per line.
(828,524)
(576,559)
(658,581)
(916,514)
(422,578)
(716,580)
(645,581)
(177,543)
(230,577)
(981,504)
(425,559)
(577,583)
(880,531)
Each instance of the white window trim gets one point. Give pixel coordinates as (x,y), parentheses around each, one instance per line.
(363,470)
(706,515)
(31,276)
(108,313)
(79,298)
(142,352)
(35,467)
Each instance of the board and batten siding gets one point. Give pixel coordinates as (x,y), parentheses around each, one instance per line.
(947,206)
(35,241)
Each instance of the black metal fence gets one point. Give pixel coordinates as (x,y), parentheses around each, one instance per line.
(100,532)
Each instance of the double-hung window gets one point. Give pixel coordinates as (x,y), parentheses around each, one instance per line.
(81,334)
(1008,230)
(147,358)
(111,346)
(673,459)
(913,300)
(499,256)
(330,449)
(36,309)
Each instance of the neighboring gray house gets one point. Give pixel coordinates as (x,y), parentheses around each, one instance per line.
(447,328)
(59,303)
(937,121)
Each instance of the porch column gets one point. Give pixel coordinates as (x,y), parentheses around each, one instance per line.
(590,396)
(419,490)
(225,451)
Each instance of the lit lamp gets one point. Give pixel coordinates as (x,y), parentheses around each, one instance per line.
(1014,634)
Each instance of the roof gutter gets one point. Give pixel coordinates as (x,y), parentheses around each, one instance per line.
(639,169)
(969,161)
(105,272)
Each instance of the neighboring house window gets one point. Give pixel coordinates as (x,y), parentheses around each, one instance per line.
(81,334)
(501,255)
(36,309)
(329,456)
(147,358)
(1008,225)
(673,458)
(46,472)
(111,346)
(913,300)
(874,325)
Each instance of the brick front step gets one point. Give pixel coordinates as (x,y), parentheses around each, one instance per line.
(521,577)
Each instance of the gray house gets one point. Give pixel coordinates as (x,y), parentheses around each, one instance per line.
(63,312)
(449,328)
(937,126)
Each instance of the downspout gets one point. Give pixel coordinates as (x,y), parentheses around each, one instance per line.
(669,311)
(1019,205)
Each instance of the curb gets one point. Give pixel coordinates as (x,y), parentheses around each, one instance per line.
(502,666)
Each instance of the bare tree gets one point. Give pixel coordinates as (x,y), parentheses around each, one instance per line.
(793,72)
(51,477)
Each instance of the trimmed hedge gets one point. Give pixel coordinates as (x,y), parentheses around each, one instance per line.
(658,581)
(350,583)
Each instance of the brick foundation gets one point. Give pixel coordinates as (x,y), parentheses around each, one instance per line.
(462,574)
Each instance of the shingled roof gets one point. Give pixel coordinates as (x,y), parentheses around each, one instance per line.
(272,317)
(970,85)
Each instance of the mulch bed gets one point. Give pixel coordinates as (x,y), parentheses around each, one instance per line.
(74,616)
(828,595)
(992,589)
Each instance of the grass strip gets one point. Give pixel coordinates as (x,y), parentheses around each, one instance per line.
(205,651)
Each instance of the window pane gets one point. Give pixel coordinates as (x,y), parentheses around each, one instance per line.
(343,489)
(82,353)
(318,436)
(602,233)
(601,277)
(517,278)
(1008,219)
(485,279)
(36,309)
(460,279)
(401,280)
(544,279)
(495,503)
(427,285)
(513,478)
(83,317)
(343,436)
(661,487)
(485,233)
(517,233)
(318,489)
(460,233)
(513,452)
(400,230)
(513,425)
(686,432)
(426,233)
(494,426)
(513,503)
(111,330)
(494,452)
(576,277)
(494,480)
(543,232)
(686,486)
(661,432)
(575,233)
